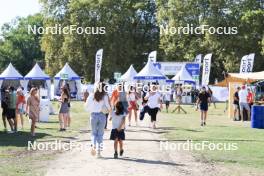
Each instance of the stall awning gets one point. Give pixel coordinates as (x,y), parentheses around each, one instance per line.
(241,77)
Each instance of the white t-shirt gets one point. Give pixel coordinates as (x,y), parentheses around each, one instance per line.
(154,100)
(131,97)
(167,97)
(117,120)
(94,106)
(242,94)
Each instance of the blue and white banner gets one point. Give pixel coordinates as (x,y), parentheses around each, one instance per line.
(198,59)
(250,62)
(243,64)
(206,69)
(247,62)
(98,65)
(153,56)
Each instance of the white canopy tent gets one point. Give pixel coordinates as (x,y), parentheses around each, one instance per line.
(150,73)
(183,75)
(66,74)
(129,75)
(36,73)
(11,74)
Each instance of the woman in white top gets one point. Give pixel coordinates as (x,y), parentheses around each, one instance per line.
(132,104)
(154,104)
(98,105)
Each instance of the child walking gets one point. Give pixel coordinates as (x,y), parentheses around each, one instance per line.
(118,125)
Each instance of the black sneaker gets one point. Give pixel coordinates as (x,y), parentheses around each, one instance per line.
(204,123)
(115,155)
(121,152)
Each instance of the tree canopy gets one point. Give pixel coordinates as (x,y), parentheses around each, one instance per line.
(132,29)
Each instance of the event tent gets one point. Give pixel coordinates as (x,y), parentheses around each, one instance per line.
(150,72)
(129,75)
(66,74)
(11,74)
(36,73)
(183,75)
(241,77)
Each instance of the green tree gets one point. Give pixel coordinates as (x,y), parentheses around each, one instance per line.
(19,46)
(130,29)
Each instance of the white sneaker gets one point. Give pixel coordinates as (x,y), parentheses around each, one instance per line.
(98,155)
(10,132)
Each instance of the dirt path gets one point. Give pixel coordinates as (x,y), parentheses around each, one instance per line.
(142,157)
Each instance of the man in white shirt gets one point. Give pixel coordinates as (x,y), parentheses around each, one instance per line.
(242,94)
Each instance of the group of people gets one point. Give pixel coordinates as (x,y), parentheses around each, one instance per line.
(102,107)
(116,108)
(243,100)
(14,106)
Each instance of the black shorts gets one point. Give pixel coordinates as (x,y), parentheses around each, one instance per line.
(167,103)
(153,113)
(204,106)
(11,114)
(4,112)
(120,135)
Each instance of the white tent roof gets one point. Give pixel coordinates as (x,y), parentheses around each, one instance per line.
(149,72)
(67,70)
(10,73)
(129,75)
(37,73)
(183,75)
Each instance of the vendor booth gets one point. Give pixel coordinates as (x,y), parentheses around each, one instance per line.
(184,78)
(128,76)
(234,80)
(150,73)
(67,76)
(37,78)
(11,77)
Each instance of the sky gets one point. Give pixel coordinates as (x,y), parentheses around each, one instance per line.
(10,9)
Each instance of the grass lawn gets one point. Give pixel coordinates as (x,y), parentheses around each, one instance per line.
(219,129)
(15,159)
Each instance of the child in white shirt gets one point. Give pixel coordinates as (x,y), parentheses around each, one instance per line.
(118,126)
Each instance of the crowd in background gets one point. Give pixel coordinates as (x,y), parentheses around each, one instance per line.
(243,100)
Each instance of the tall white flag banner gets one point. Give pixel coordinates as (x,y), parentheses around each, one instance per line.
(153,56)
(98,65)
(206,69)
(243,64)
(250,62)
(198,58)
